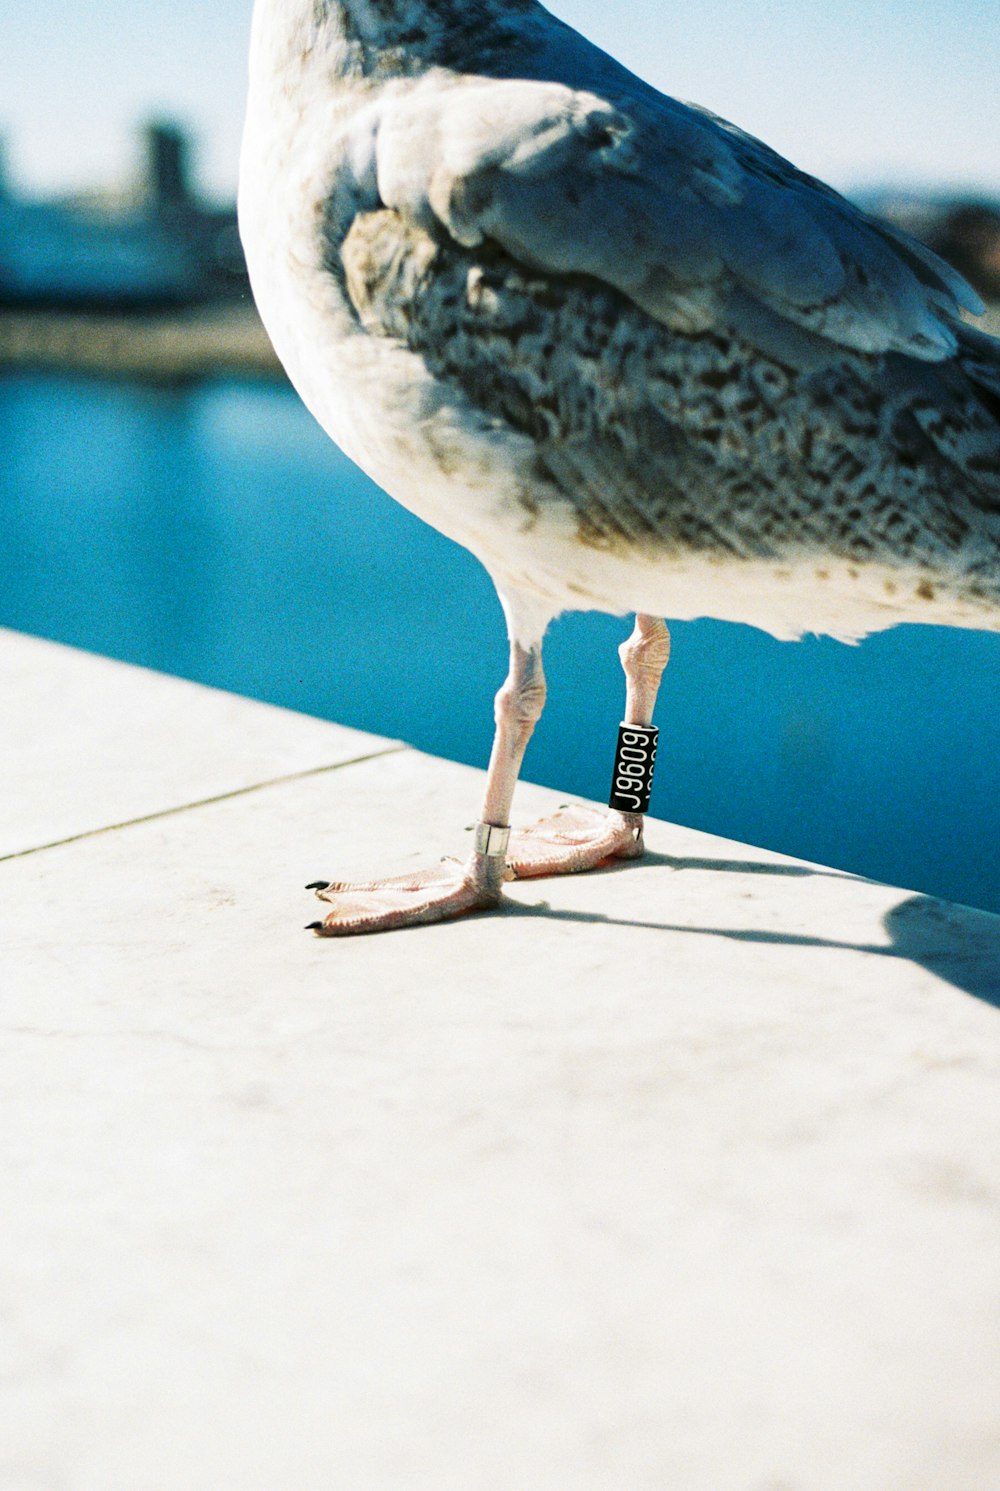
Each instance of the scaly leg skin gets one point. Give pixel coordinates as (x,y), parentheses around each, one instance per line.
(573,839)
(436,895)
(579,837)
(452,889)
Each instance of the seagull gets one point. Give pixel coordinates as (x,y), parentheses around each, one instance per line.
(622,351)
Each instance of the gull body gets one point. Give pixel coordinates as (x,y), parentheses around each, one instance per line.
(621,351)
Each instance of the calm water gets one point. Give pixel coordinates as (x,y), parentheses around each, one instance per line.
(215,533)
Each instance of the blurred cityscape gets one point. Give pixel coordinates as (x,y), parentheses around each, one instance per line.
(146,279)
(151,245)
(151,279)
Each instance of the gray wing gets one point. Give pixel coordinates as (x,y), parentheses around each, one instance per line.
(700,225)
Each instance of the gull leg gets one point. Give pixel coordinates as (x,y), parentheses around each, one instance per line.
(451,889)
(581,838)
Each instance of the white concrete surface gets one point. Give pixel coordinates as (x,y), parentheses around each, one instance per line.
(87,743)
(681,1177)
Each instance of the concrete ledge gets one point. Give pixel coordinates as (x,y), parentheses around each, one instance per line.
(678,1176)
(91,743)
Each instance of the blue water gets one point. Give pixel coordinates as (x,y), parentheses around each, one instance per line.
(213,531)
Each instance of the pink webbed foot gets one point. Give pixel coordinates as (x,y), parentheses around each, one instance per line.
(448,890)
(574,838)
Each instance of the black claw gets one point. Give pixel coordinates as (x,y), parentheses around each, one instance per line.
(314,927)
(318,885)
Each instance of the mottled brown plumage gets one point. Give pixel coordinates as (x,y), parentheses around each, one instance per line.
(668,441)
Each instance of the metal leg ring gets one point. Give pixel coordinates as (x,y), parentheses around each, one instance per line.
(492,840)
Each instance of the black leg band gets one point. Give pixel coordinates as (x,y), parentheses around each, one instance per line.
(634,761)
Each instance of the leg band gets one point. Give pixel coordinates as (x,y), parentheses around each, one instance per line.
(634,761)
(492,841)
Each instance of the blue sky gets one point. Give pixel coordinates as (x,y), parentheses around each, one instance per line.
(859,93)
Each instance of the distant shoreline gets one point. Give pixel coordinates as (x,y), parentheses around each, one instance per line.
(166,346)
(169,346)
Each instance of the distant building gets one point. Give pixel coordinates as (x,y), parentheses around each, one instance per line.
(159,246)
(168,172)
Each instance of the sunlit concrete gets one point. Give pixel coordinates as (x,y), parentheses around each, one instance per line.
(680,1177)
(86,743)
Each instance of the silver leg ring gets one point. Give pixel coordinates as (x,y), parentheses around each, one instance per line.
(491,841)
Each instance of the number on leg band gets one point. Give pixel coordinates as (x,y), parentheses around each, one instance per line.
(634,761)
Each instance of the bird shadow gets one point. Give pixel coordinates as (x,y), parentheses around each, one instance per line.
(959,944)
(734,866)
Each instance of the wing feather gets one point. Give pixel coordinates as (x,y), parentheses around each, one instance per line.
(687,216)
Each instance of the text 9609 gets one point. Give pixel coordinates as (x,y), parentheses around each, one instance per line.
(635,758)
